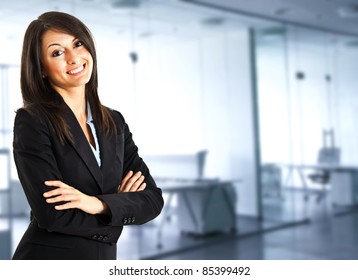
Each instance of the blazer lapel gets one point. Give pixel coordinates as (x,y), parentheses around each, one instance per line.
(107,151)
(82,146)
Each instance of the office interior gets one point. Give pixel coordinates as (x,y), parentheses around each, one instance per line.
(247,123)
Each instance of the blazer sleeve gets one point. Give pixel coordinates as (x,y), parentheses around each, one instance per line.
(36,163)
(133,207)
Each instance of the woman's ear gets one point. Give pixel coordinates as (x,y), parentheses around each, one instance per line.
(43,74)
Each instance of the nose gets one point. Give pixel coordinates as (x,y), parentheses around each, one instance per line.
(72,58)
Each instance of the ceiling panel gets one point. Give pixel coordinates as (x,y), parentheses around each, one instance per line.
(321,14)
(177,18)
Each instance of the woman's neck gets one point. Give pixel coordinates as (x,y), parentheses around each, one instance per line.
(76,100)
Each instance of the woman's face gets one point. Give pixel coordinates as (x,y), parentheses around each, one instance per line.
(65,61)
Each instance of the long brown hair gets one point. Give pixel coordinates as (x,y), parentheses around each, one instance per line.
(37,90)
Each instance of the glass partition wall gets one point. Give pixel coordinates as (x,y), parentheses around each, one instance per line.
(306,86)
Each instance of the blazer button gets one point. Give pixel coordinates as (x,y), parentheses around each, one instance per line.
(133,219)
(105,238)
(125,221)
(129,220)
(100,237)
(95,236)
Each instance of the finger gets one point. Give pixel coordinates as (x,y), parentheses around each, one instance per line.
(59,184)
(136,184)
(132,181)
(129,182)
(68,205)
(62,198)
(126,178)
(58,191)
(142,187)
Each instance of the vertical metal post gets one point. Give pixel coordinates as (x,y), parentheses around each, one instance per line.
(256,122)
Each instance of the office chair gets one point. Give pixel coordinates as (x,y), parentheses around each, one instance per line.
(326,156)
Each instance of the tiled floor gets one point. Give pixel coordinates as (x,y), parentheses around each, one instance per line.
(322,232)
(324,236)
(336,238)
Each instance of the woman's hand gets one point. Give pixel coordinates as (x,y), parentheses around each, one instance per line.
(73,198)
(70,197)
(132,182)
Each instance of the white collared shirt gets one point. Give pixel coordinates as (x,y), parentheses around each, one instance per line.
(96,151)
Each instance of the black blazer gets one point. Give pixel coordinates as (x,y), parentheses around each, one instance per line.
(73,234)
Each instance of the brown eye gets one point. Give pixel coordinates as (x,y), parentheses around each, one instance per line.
(57,53)
(79,44)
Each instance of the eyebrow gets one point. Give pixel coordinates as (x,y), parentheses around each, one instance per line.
(57,44)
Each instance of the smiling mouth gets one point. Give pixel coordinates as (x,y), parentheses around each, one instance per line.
(77,70)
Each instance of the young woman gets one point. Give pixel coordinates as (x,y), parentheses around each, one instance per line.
(75,158)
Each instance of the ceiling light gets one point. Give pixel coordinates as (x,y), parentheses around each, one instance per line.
(273,31)
(123,4)
(213,21)
(281,11)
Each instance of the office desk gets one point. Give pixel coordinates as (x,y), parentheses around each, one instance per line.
(197,199)
(343,180)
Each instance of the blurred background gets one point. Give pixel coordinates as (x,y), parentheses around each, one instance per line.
(245,112)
